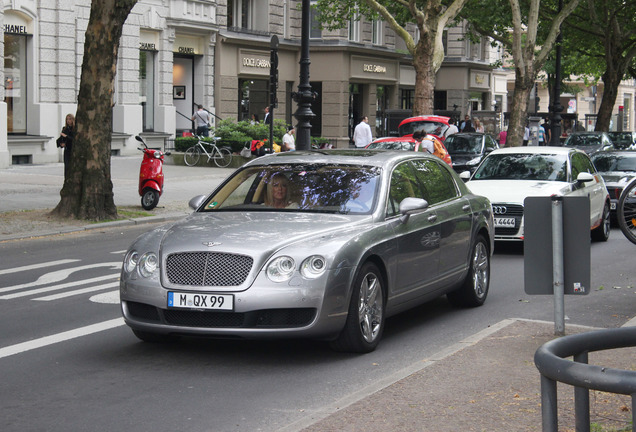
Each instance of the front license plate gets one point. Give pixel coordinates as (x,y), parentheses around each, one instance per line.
(201,301)
(505,222)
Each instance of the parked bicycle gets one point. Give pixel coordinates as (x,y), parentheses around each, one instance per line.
(222,156)
(626,211)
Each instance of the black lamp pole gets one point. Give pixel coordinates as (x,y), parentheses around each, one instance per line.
(304,96)
(556,106)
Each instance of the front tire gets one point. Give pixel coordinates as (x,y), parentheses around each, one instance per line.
(192,156)
(149,199)
(474,289)
(626,212)
(365,321)
(224,158)
(602,232)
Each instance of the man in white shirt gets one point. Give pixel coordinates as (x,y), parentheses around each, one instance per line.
(202,119)
(452,129)
(362,134)
(289,141)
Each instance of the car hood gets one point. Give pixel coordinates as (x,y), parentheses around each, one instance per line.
(461,159)
(514,191)
(617,177)
(252,233)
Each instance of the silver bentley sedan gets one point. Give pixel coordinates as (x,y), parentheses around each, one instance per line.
(321,244)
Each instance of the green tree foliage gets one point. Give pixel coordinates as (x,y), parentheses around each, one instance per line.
(88,190)
(515,24)
(429,16)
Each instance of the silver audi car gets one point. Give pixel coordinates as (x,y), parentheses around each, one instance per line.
(322,244)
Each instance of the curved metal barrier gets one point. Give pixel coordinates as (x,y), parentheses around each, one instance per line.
(551,362)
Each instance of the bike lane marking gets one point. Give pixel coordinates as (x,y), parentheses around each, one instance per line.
(37,266)
(78,292)
(57,287)
(60,337)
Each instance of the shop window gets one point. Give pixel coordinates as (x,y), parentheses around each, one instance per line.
(315,32)
(406,98)
(378,37)
(251,15)
(147,88)
(439,100)
(15,69)
(253,98)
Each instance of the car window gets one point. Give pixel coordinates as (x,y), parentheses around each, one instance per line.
(583,140)
(614,162)
(581,163)
(404,184)
(463,144)
(430,127)
(333,188)
(522,166)
(436,182)
(490,143)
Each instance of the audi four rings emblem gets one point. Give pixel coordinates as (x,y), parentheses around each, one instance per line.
(499,210)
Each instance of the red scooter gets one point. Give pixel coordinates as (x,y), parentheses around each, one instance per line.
(150,175)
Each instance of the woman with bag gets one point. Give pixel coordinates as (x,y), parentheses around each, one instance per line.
(65,141)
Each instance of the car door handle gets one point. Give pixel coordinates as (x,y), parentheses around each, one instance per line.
(432,218)
(466,207)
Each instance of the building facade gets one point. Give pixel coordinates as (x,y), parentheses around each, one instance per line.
(177,54)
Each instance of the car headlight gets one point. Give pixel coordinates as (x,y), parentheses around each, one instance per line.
(148,264)
(281,269)
(474,161)
(313,267)
(131,261)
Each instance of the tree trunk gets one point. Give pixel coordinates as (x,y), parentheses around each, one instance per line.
(88,191)
(519,112)
(610,93)
(424,77)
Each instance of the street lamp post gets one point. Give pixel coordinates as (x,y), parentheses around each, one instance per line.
(556,105)
(304,96)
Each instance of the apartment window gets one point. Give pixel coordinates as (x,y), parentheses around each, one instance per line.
(445,42)
(476,50)
(354,28)
(248,14)
(315,32)
(15,81)
(378,37)
(147,88)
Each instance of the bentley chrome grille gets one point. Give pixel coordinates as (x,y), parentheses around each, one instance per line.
(208,268)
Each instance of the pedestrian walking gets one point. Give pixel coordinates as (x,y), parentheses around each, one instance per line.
(362,135)
(202,119)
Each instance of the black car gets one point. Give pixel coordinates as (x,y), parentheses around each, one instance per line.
(468,149)
(623,140)
(617,168)
(589,142)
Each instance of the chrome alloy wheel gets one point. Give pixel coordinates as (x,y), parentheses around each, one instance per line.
(370,307)
(480,270)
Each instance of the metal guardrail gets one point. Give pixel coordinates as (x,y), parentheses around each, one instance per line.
(551,362)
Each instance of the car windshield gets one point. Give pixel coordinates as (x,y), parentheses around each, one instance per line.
(621,139)
(523,166)
(330,188)
(392,145)
(614,162)
(583,140)
(456,144)
(430,127)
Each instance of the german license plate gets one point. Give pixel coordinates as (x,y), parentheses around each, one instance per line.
(201,301)
(505,222)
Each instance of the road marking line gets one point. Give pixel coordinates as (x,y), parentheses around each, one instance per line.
(77,292)
(60,337)
(37,266)
(57,287)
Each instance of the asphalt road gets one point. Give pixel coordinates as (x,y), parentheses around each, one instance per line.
(69,363)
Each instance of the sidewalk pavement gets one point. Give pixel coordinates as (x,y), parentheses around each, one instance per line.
(487,382)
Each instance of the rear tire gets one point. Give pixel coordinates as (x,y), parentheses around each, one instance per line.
(365,321)
(474,289)
(602,232)
(224,158)
(192,156)
(626,212)
(149,199)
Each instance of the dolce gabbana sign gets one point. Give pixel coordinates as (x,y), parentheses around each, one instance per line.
(253,62)
(256,62)
(374,68)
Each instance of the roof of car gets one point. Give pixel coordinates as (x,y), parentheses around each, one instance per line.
(433,118)
(536,150)
(379,157)
(407,138)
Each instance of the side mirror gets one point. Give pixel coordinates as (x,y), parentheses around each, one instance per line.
(464,175)
(196,202)
(408,206)
(584,177)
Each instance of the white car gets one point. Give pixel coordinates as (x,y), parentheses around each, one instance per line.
(508,176)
